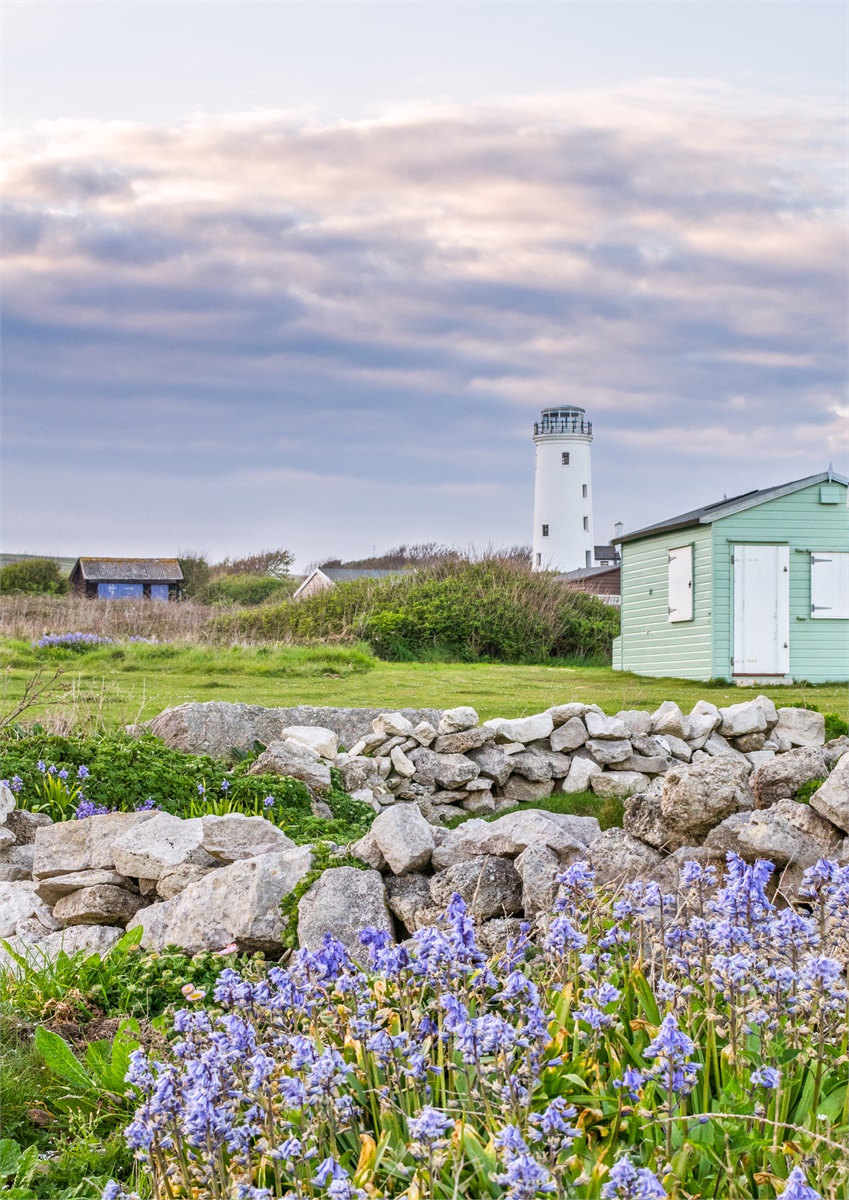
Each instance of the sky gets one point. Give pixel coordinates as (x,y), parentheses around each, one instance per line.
(303,275)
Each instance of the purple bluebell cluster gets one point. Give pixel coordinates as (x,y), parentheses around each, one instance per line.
(71,641)
(508,1073)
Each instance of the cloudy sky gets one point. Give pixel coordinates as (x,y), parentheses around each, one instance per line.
(303,275)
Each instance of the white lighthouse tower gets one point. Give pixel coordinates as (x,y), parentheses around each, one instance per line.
(563,495)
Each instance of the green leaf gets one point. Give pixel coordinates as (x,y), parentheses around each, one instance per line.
(10,1155)
(26,1165)
(61,1059)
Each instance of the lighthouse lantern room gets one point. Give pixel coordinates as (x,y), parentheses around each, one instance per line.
(563,498)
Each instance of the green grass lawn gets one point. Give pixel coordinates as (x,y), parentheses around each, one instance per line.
(135,682)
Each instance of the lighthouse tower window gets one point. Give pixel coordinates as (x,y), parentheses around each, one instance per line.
(584,493)
(587,524)
(564,458)
(545,531)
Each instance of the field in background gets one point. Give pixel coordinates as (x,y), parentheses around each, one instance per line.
(129,683)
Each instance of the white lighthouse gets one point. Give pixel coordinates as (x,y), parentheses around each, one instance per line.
(563,494)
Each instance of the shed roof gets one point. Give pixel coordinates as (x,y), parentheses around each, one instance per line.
(725,507)
(136,570)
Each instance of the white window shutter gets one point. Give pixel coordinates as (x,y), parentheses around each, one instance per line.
(681,584)
(830,584)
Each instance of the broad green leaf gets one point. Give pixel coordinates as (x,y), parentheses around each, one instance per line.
(10,1155)
(61,1059)
(26,1165)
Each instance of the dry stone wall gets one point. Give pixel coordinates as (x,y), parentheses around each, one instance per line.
(695,786)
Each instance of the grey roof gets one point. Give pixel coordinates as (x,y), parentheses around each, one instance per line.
(135,570)
(588,572)
(343,574)
(725,507)
(606,552)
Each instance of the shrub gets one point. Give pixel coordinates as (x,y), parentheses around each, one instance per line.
(196,573)
(33,576)
(495,609)
(247,590)
(835,726)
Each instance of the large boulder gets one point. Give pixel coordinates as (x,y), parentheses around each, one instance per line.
(782,776)
(513,833)
(404,838)
(408,895)
(644,819)
(237,904)
(157,847)
(725,837)
(569,736)
(83,845)
(344,901)
(618,858)
(800,727)
(101,904)
(448,770)
(295,761)
(234,836)
(489,885)
(695,798)
(217,728)
(832,799)
(749,716)
(788,833)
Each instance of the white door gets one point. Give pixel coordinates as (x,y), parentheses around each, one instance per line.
(761,610)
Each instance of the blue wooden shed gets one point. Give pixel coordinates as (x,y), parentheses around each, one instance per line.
(755,587)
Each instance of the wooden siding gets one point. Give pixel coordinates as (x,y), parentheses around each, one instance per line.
(819,650)
(649,643)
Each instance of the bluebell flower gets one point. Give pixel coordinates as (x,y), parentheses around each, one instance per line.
(671,1051)
(627,1182)
(225,786)
(798,1187)
(430,1125)
(268,802)
(16,784)
(765,1077)
(631,1082)
(83,772)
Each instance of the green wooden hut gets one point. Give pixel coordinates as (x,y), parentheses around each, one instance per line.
(755,587)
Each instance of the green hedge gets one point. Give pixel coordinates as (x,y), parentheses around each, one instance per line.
(33,576)
(247,590)
(489,610)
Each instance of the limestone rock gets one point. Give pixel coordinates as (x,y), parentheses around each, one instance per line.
(344,902)
(176,881)
(481,804)
(725,837)
(457,720)
(287,758)
(561,764)
(602,727)
(695,798)
(644,819)
(513,833)
(393,724)
(758,757)
(401,763)
(154,849)
(800,727)
(7,839)
(669,719)
(747,717)
(53,889)
(618,783)
(701,722)
(538,867)
(495,936)
(637,722)
(750,742)
(239,903)
(406,896)
(92,939)
(717,747)
(618,858)
(368,851)
(675,747)
(569,736)
(526,791)
(785,774)
(493,763)
(24,824)
(561,713)
(359,772)
(532,765)
(404,838)
(318,737)
(646,766)
(490,886)
(424,733)
(788,832)
(13,873)
(832,799)
(83,845)
(8,803)
(464,741)
(605,752)
(832,752)
(102,904)
(580,774)
(523,729)
(18,900)
(234,836)
(448,770)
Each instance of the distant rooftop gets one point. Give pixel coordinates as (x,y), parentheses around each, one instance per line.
(136,570)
